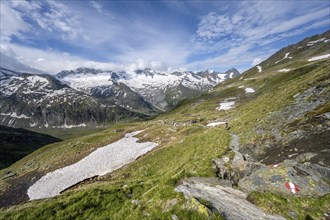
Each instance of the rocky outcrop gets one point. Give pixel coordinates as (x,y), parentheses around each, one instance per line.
(298,176)
(228,202)
(289,177)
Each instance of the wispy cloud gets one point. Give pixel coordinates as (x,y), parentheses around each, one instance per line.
(98,6)
(49,18)
(256,61)
(52,61)
(255,24)
(12,23)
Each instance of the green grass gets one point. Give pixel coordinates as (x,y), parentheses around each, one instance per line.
(150,179)
(71,133)
(292,207)
(184,151)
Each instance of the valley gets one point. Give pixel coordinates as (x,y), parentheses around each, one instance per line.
(259,139)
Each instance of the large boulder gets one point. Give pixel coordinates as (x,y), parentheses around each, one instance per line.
(228,202)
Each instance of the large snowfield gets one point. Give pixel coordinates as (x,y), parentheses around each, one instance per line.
(102,161)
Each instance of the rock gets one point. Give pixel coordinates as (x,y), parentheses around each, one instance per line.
(237,169)
(225,159)
(169,204)
(238,156)
(289,177)
(8,174)
(174,217)
(325,115)
(292,214)
(135,201)
(234,142)
(302,158)
(228,202)
(221,169)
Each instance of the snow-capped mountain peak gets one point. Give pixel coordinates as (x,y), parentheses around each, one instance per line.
(151,85)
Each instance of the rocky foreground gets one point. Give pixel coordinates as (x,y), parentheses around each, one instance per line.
(238,175)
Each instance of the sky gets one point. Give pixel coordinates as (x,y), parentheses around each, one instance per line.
(163,35)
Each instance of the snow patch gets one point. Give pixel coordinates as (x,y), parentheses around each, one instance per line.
(102,161)
(226,105)
(259,69)
(311,43)
(70,126)
(36,80)
(33,124)
(14,115)
(214,124)
(252,78)
(285,57)
(284,70)
(319,57)
(249,90)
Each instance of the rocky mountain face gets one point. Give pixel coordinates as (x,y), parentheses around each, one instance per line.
(39,100)
(144,90)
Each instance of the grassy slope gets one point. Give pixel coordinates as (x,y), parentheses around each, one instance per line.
(185,150)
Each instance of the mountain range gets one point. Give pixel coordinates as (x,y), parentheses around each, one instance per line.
(93,97)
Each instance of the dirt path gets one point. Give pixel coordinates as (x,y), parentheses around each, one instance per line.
(234,142)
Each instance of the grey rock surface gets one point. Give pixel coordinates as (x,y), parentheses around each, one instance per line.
(229,202)
(289,177)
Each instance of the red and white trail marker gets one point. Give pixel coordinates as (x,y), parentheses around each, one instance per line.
(293,187)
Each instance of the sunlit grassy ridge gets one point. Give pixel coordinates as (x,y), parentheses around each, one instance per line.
(145,188)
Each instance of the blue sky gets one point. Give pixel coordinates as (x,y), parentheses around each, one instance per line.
(163,35)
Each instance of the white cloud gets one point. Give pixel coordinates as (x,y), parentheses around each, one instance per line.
(225,37)
(12,23)
(50,16)
(256,61)
(213,26)
(232,38)
(53,62)
(98,6)
(142,64)
(40,60)
(256,23)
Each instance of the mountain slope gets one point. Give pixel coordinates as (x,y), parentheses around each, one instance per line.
(17,143)
(275,111)
(36,100)
(294,55)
